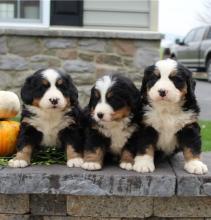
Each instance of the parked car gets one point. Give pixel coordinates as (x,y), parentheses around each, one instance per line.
(194,51)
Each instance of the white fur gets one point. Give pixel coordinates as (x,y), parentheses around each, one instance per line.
(9,102)
(17,163)
(126,166)
(195,167)
(167,118)
(53,92)
(91,166)
(103,85)
(75,162)
(173,94)
(144,164)
(118,132)
(50,122)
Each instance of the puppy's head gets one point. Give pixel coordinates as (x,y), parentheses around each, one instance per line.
(167,81)
(49,89)
(113,98)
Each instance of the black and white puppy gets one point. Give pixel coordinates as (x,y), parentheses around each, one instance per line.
(50,117)
(113,125)
(170,117)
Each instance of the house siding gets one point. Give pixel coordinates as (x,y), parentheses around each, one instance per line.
(134,14)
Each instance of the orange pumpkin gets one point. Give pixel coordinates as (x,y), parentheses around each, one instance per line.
(9,104)
(8,137)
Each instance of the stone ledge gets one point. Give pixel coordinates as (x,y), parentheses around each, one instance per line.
(168,180)
(81,33)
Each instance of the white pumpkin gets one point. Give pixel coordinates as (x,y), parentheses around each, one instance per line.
(9,104)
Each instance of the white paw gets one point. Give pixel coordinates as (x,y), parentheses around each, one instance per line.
(91,166)
(17,163)
(144,164)
(196,167)
(126,166)
(75,162)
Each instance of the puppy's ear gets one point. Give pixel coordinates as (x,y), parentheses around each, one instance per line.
(91,100)
(73,92)
(147,72)
(27,91)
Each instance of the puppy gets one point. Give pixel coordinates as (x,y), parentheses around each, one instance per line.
(50,117)
(113,125)
(170,117)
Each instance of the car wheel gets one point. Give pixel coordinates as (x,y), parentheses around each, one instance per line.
(209,70)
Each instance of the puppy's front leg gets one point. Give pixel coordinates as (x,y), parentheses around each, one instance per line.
(144,163)
(189,138)
(127,160)
(74,159)
(93,160)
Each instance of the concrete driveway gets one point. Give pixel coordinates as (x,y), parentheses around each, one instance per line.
(203,94)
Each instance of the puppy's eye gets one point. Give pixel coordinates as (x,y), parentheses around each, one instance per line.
(60,82)
(45,83)
(109,95)
(96,93)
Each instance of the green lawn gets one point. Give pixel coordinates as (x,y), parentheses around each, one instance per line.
(206,135)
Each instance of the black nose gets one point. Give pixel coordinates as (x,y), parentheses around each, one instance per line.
(100,115)
(162,92)
(54,101)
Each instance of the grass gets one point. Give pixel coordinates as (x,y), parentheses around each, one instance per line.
(206,135)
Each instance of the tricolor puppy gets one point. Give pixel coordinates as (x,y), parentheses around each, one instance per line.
(50,117)
(113,127)
(170,117)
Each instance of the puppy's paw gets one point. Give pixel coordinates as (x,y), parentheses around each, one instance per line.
(196,167)
(15,163)
(91,166)
(126,166)
(75,162)
(144,164)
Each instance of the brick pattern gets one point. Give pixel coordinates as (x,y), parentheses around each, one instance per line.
(62,207)
(85,59)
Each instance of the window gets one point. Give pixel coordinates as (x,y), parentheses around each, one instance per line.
(24,12)
(199,34)
(190,36)
(209,34)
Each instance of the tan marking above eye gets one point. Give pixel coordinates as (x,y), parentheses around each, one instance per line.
(157,72)
(109,94)
(45,82)
(60,81)
(97,93)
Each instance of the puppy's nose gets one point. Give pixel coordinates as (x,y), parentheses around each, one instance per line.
(162,92)
(100,115)
(54,101)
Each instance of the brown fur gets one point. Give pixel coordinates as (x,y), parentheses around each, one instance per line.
(188,155)
(96,156)
(71,153)
(24,154)
(121,113)
(127,157)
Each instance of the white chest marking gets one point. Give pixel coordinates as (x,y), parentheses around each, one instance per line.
(168,119)
(119,132)
(50,123)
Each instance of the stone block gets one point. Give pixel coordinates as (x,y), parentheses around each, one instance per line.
(67,54)
(182,207)
(111,180)
(13,62)
(86,56)
(60,43)
(45,60)
(48,204)
(16,217)
(3,45)
(14,204)
(106,206)
(109,59)
(189,184)
(76,218)
(83,79)
(125,47)
(95,45)
(78,66)
(5,80)
(24,46)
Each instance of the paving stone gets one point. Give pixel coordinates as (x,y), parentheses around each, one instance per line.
(107,206)
(111,180)
(78,66)
(48,204)
(24,46)
(189,184)
(13,62)
(182,207)
(15,204)
(63,43)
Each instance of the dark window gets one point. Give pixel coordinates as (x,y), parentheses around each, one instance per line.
(209,34)
(199,34)
(190,36)
(67,12)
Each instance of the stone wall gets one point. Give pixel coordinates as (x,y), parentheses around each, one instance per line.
(84,55)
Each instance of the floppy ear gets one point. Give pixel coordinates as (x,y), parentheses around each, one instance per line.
(27,91)
(147,72)
(73,92)
(91,99)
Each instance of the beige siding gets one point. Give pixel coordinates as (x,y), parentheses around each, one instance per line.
(121,14)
